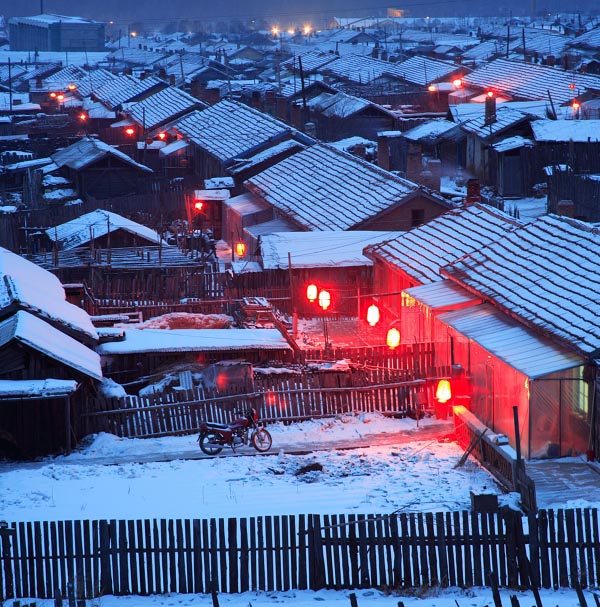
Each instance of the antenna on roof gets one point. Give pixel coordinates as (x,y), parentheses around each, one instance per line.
(41,7)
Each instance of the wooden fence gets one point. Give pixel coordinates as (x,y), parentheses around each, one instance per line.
(177,415)
(276,553)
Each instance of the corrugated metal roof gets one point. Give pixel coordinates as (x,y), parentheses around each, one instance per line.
(442,294)
(87,151)
(422,251)
(40,336)
(229,129)
(531,81)
(546,273)
(326,189)
(512,343)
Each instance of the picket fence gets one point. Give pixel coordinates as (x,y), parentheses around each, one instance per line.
(275,553)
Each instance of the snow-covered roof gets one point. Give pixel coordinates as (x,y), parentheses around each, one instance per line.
(432,129)
(422,251)
(96,224)
(506,118)
(422,70)
(442,294)
(126,88)
(285,147)
(531,81)
(279,224)
(42,337)
(311,250)
(512,143)
(511,342)
(341,105)
(87,151)
(312,60)
(25,272)
(356,68)
(230,129)
(326,189)
(246,204)
(545,273)
(36,388)
(162,106)
(138,341)
(579,131)
(31,295)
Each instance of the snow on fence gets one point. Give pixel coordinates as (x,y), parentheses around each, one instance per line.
(276,553)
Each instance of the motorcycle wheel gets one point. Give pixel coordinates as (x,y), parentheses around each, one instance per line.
(261,440)
(209,443)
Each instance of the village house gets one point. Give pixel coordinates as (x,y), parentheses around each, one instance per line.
(523,333)
(49,367)
(100,170)
(325,189)
(415,257)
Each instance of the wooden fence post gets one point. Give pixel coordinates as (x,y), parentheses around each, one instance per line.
(315,553)
(7,590)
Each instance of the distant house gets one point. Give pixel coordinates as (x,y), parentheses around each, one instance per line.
(324,189)
(101,170)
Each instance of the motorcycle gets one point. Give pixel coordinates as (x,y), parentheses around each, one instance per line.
(243,430)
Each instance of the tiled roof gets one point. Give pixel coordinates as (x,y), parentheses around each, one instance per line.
(93,80)
(325,189)
(311,61)
(546,274)
(59,81)
(422,251)
(126,88)
(544,42)
(163,106)
(422,70)
(339,105)
(229,129)
(590,39)
(530,81)
(356,68)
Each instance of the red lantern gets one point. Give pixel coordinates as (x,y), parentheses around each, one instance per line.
(576,105)
(324,299)
(82,116)
(311,292)
(198,204)
(162,135)
(71,87)
(443,392)
(393,338)
(457,82)
(373,315)
(53,95)
(129,131)
(240,249)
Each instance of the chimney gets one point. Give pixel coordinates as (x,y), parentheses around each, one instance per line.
(473,192)
(565,208)
(282,108)
(310,129)
(256,102)
(414,162)
(431,177)
(296,116)
(490,108)
(172,79)
(383,152)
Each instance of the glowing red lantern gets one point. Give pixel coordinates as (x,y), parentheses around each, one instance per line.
(240,249)
(60,97)
(373,315)
(457,82)
(198,204)
(53,95)
(162,135)
(576,105)
(443,392)
(71,87)
(393,338)
(431,88)
(324,299)
(311,292)
(490,93)
(83,117)
(129,131)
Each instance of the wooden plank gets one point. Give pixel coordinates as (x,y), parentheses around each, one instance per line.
(431,550)
(206,556)
(294,556)
(79,577)
(456,553)
(444,575)
(478,578)
(124,587)
(260,551)
(69,552)
(581,544)
(47,569)
(466,534)
(133,546)
(180,552)
(53,560)
(383,563)
(244,567)
(197,563)
(596,544)
(562,547)
(214,557)
(406,578)
(422,539)
(233,556)
(187,554)
(589,543)
(485,546)
(328,551)
(286,583)
(417,578)
(571,540)
(544,551)
(106,583)
(268,548)
(223,557)
(343,568)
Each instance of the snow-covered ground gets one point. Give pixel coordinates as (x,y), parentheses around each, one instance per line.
(412,475)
